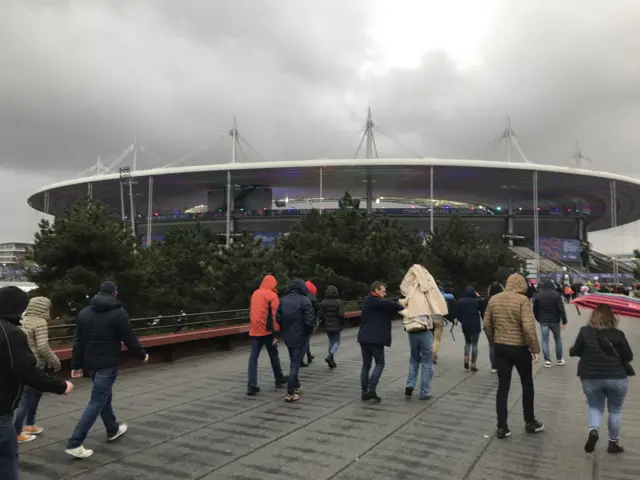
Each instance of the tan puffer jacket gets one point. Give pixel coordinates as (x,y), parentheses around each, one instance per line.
(508,319)
(35,325)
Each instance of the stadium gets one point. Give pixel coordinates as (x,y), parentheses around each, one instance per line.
(545,212)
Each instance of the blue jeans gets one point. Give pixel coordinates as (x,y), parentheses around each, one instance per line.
(471,346)
(27,408)
(613,390)
(8,449)
(256,347)
(334,342)
(369,383)
(295,358)
(556,329)
(421,345)
(99,405)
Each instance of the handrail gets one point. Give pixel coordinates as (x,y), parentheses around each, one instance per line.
(177,322)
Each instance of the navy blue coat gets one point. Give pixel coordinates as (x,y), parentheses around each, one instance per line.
(377,314)
(296,315)
(469,309)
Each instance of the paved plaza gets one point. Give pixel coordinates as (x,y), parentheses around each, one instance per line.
(193,420)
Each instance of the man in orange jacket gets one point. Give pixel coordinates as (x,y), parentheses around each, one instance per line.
(263,326)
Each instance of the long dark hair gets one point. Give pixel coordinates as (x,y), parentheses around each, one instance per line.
(495,288)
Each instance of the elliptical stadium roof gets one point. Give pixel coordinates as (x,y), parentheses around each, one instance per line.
(486,183)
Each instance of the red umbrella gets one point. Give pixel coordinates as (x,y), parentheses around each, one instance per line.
(620,304)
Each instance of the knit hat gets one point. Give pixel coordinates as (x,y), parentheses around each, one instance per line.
(13,303)
(108,288)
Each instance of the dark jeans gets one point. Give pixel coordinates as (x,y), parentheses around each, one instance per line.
(306,350)
(256,347)
(8,449)
(334,342)
(507,357)
(371,352)
(99,405)
(27,408)
(295,357)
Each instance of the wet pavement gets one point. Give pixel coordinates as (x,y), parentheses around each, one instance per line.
(193,420)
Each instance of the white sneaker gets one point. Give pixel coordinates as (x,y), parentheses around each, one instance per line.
(547,364)
(79,452)
(122,429)
(560,362)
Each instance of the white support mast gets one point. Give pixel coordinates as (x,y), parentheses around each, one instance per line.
(579,156)
(510,137)
(234,148)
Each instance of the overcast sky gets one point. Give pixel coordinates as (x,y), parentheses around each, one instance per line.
(79,79)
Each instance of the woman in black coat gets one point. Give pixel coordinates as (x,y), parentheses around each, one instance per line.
(332,315)
(469,309)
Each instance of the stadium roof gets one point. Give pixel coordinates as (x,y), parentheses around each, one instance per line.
(477,182)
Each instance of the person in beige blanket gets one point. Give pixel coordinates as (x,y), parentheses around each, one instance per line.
(423,304)
(35,325)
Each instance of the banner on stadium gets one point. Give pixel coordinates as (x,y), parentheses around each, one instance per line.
(561,249)
(267,239)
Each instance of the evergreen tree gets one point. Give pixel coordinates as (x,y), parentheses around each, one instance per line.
(85,246)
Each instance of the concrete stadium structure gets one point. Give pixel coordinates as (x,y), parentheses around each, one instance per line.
(505,198)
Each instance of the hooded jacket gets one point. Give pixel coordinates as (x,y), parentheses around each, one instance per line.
(17,363)
(264,305)
(548,307)
(35,323)
(295,315)
(509,319)
(332,310)
(422,299)
(101,328)
(469,312)
(377,314)
(313,291)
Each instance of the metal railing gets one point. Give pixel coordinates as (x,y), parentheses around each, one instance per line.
(166,324)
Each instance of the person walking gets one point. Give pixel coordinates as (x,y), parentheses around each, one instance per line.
(438,323)
(469,313)
(101,328)
(297,319)
(604,368)
(35,326)
(311,288)
(494,289)
(375,334)
(422,303)
(548,308)
(510,327)
(332,316)
(17,370)
(262,314)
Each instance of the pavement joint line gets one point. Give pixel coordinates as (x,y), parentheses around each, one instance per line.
(327,380)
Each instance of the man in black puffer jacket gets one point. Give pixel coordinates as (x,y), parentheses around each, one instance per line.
(101,328)
(548,309)
(332,315)
(17,369)
(297,319)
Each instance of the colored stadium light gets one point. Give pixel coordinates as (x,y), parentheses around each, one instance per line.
(568,210)
(178,213)
(538,208)
(556,209)
(446,206)
(413,206)
(498,208)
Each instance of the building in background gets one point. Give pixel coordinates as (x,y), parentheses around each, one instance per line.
(13,254)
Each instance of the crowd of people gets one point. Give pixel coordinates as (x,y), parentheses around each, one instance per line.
(507,315)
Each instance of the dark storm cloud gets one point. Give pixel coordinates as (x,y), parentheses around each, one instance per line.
(79,79)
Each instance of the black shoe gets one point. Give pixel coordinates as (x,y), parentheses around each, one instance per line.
(282,382)
(503,432)
(615,447)
(590,446)
(364,397)
(302,364)
(252,390)
(310,358)
(372,396)
(466,365)
(534,427)
(408,391)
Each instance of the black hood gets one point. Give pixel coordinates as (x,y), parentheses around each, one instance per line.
(103,302)
(548,285)
(331,292)
(298,286)
(13,303)
(469,292)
